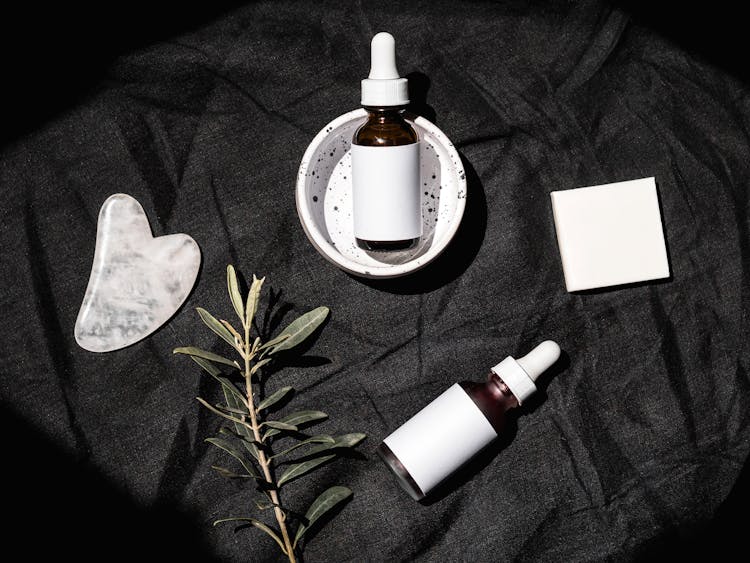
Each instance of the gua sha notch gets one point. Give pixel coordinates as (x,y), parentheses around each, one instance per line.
(137,281)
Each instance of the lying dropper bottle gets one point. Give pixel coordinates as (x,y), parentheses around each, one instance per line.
(453,428)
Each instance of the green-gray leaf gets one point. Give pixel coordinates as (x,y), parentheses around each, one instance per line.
(258,524)
(229,474)
(205,354)
(273,341)
(320,439)
(298,418)
(214,410)
(343,441)
(301,328)
(259,365)
(253,297)
(274,398)
(233,287)
(235,453)
(325,502)
(232,410)
(218,328)
(244,432)
(278,425)
(215,372)
(249,445)
(299,469)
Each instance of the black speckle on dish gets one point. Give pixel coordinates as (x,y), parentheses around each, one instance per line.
(429,209)
(329,155)
(427,193)
(315,198)
(344,179)
(335,208)
(313,172)
(432,196)
(433,176)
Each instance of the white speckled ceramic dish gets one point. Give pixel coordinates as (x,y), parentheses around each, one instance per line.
(324,203)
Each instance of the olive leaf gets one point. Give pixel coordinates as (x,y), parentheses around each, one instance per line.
(300,329)
(253,297)
(274,341)
(231,410)
(325,502)
(214,410)
(258,524)
(235,453)
(274,398)
(299,469)
(321,439)
(278,425)
(259,365)
(229,474)
(206,355)
(233,287)
(298,418)
(343,441)
(215,372)
(219,329)
(248,438)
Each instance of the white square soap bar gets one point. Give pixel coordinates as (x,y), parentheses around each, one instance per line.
(610,234)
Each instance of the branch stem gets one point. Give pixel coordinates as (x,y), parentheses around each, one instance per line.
(263,460)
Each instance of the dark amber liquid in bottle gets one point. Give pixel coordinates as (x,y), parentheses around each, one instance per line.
(493,398)
(385,127)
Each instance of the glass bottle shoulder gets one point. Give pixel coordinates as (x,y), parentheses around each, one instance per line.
(493,398)
(385,127)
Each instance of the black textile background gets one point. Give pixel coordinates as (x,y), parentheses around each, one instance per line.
(634,448)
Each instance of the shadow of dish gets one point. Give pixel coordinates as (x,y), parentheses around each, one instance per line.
(458,255)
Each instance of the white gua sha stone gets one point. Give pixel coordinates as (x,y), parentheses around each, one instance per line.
(137,281)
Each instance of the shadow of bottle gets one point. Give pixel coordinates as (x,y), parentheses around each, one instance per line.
(419,84)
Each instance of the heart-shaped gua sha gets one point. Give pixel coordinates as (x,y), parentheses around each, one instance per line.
(137,281)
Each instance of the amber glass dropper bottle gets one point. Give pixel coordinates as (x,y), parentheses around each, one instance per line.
(449,431)
(385,159)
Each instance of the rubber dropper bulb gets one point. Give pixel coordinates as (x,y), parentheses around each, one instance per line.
(384,88)
(383,57)
(540,359)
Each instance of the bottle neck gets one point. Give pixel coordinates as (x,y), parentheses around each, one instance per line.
(384,113)
(500,391)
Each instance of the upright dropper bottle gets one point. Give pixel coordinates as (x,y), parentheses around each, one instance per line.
(450,430)
(385,159)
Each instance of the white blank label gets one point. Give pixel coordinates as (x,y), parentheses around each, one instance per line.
(387,194)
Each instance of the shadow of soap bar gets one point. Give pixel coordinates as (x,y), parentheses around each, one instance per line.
(610,234)
(137,281)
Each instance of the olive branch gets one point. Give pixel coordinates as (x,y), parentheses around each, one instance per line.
(252,435)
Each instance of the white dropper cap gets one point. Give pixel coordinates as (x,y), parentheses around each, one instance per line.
(384,87)
(519,375)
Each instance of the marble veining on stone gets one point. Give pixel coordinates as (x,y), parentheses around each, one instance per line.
(137,281)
